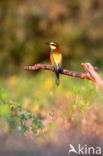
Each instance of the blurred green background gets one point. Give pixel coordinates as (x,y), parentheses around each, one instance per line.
(31,105)
(26,24)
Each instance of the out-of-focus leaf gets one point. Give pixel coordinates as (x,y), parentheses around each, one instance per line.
(38,123)
(4,95)
(22,116)
(13,122)
(24,128)
(4,110)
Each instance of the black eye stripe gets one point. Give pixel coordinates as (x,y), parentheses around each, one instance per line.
(53,44)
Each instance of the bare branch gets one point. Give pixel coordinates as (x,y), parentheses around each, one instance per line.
(90,74)
(64,71)
(95,77)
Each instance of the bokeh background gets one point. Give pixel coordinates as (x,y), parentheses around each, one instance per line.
(36,116)
(26,24)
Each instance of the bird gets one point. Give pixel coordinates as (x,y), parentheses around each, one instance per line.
(56,59)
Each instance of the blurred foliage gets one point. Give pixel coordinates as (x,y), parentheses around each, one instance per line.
(26,24)
(33,105)
(13,118)
(41,101)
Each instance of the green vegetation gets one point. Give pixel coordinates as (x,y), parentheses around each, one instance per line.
(13,117)
(37,99)
(31,105)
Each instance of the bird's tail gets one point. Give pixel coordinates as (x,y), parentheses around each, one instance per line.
(58,70)
(57,78)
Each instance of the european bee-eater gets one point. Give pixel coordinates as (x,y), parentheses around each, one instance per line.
(56,58)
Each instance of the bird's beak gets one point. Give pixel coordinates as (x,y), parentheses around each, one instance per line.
(47,43)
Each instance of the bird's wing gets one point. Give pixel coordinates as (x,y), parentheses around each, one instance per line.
(57,58)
